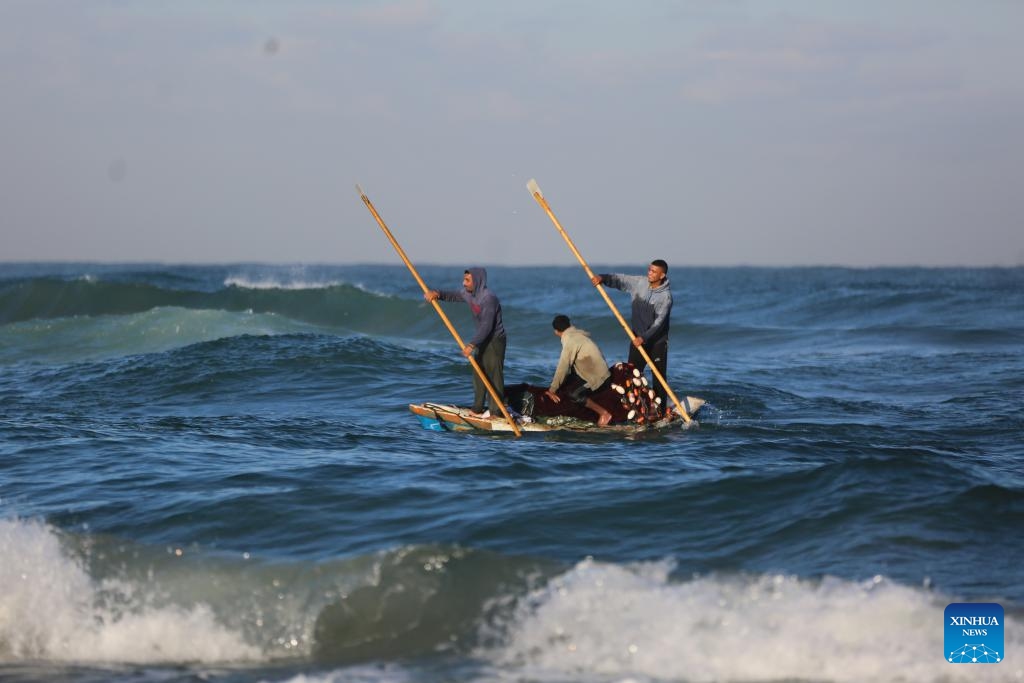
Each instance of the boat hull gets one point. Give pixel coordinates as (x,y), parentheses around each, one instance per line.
(450,418)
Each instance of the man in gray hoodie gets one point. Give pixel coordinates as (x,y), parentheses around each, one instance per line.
(652,308)
(580,357)
(489,341)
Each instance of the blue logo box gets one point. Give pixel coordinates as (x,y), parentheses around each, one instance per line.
(974,633)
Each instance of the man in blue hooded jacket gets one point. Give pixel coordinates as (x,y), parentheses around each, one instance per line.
(489,341)
(652,308)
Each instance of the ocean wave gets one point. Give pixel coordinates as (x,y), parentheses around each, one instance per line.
(88,338)
(48,298)
(609,621)
(52,609)
(239,373)
(101,600)
(53,319)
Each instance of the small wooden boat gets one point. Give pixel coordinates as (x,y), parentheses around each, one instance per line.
(451,418)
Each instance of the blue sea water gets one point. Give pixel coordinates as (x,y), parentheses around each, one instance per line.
(211,473)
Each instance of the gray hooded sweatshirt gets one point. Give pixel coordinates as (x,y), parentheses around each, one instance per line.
(484,305)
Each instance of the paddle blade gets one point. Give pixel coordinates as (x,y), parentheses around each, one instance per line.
(534,188)
(360,190)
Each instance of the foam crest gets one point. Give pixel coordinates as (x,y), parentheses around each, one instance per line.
(301,282)
(622,621)
(244,282)
(51,609)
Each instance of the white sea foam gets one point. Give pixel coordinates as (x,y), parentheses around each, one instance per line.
(390,673)
(610,622)
(245,282)
(297,283)
(51,609)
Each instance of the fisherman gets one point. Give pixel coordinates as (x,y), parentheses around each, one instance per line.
(582,362)
(652,308)
(488,342)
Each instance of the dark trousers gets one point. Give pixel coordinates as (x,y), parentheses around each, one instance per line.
(658,351)
(491,357)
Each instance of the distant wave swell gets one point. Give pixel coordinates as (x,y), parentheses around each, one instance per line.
(337,304)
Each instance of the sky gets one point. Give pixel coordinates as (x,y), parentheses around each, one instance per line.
(704,132)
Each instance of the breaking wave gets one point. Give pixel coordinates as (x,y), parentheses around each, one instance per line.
(99,600)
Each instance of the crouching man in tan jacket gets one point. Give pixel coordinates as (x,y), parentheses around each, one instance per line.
(580,358)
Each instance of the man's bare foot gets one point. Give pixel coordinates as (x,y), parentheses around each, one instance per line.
(484,414)
(604,419)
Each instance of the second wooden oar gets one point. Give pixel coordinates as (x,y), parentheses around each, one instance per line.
(437,307)
(534,189)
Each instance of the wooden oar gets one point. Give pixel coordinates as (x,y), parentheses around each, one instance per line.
(534,189)
(437,307)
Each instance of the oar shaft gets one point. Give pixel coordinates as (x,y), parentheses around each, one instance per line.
(437,307)
(535,191)
(394,242)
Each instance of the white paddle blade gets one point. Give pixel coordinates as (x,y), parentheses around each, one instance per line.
(534,188)
(360,190)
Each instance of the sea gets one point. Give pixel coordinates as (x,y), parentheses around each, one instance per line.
(211,473)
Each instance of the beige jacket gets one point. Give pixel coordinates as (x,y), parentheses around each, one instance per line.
(580,355)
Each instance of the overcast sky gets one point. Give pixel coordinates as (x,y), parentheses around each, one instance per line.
(706,132)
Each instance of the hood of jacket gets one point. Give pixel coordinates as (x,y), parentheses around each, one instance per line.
(660,288)
(479,283)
